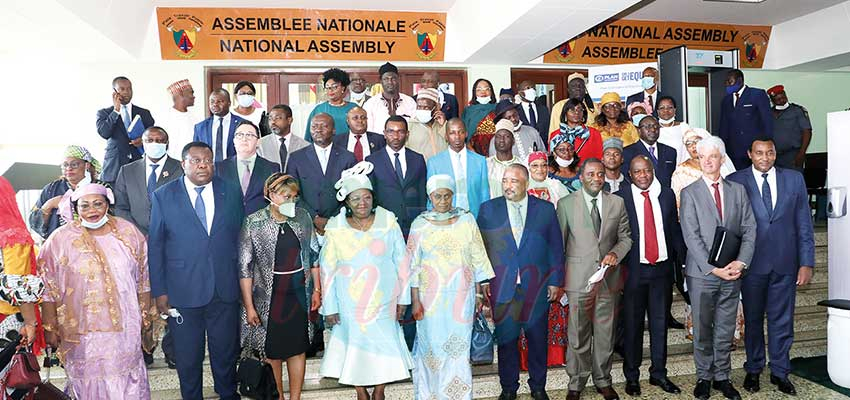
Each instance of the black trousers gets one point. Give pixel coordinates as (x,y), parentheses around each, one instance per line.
(650,297)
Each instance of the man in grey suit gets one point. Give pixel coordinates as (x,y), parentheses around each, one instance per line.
(596,232)
(277,147)
(706,204)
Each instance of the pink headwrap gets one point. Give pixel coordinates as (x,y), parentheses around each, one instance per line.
(537,155)
(646,106)
(93,188)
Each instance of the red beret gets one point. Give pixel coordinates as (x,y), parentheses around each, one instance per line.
(775,90)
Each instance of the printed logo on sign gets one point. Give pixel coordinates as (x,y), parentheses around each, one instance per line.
(605,78)
(754,45)
(184,29)
(427,32)
(565,51)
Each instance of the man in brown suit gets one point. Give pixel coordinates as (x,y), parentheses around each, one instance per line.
(596,232)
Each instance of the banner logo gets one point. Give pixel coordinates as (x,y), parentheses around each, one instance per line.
(184,29)
(427,32)
(565,51)
(755,44)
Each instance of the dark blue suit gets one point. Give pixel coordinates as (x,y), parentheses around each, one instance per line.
(784,242)
(376,141)
(648,287)
(542,117)
(406,200)
(119,151)
(198,273)
(252,199)
(539,261)
(318,195)
(204,133)
(663,168)
(640,96)
(749,118)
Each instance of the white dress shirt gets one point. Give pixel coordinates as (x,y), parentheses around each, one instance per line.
(208,196)
(129,107)
(709,183)
(459,169)
(225,136)
(740,93)
(402,158)
(324,155)
(149,162)
(517,227)
(364,143)
(771,180)
(240,165)
(637,196)
(526,105)
(654,150)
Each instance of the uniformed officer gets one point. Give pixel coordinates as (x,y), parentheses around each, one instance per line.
(792,130)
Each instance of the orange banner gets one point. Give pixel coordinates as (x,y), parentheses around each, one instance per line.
(300,34)
(630,41)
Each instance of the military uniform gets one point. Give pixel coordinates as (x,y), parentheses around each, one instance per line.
(788,129)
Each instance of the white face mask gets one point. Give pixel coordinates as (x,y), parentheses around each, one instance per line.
(563,163)
(94,225)
(530,94)
(483,100)
(423,116)
(245,100)
(518,125)
(285,209)
(782,107)
(666,121)
(357,96)
(155,151)
(647,82)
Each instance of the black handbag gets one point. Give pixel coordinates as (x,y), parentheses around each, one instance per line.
(256,379)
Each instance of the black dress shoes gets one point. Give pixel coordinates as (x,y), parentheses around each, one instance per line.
(783,384)
(608,393)
(507,395)
(573,395)
(727,389)
(633,388)
(703,389)
(665,385)
(540,395)
(673,324)
(148,358)
(751,383)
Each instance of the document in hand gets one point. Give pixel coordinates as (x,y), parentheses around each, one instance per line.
(724,248)
(136,128)
(597,276)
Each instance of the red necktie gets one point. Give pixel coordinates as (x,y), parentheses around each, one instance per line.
(358,149)
(651,237)
(736,100)
(716,187)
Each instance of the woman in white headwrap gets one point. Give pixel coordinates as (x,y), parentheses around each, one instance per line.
(365,290)
(448,262)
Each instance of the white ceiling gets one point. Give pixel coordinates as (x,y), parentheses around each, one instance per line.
(770,12)
(384,5)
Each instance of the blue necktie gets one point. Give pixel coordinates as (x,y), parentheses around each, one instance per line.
(766,197)
(532,116)
(152,179)
(219,137)
(200,208)
(398,171)
(653,156)
(126,118)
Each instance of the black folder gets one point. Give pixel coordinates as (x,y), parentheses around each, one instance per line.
(725,247)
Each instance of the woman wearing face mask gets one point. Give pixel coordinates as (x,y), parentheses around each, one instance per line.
(336,83)
(95,270)
(563,162)
(614,121)
(247,106)
(478,116)
(637,111)
(587,140)
(672,131)
(53,208)
(278,252)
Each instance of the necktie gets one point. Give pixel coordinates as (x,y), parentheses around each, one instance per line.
(324,161)
(532,116)
(520,224)
(219,137)
(653,156)
(200,208)
(717,201)
(736,100)
(766,196)
(649,101)
(246,177)
(283,153)
(398,170)
(595,217)
(650,235)
(358,149)
(152,179)
(126,117)
(461,172)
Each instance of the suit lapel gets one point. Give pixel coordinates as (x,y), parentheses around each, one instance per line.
(218,214)
(189,208)
(707,199)
(753,188)
(170,169)
(781,189)
(506,227)
(391,169)
(727,200)
(530,215)
(258,175)
(314,159)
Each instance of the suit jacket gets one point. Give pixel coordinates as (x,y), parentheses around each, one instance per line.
(639,97)
(666,160)
(538,258)
(119,151)
(186,263)
(253,198)
(269,148)
(699,219)
(785,238)
(542,118)
(477,182)
(740,124)
(672,234)
(204,133)
(405,199)
(317,189)
(583,249)
(376,141)
(131,190)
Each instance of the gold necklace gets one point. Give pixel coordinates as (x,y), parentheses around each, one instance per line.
(369,221)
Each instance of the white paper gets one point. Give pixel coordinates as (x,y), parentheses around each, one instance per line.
(597,276)
(564,300)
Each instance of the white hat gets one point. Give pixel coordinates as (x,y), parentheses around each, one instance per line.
(353,179)
(441,181)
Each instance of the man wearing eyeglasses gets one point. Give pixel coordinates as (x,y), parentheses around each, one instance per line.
(663,157)
(247,170)
(357,90)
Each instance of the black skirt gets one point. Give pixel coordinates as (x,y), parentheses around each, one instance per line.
(286,328)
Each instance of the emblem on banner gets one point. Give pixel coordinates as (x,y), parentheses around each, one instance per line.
(427,32)
(755,44)
(565,51)
(184,30)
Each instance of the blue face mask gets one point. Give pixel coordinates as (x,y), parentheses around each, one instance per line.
(735,87)
(647,82)
(637,117)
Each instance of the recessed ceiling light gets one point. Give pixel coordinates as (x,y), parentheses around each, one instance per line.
(736,1)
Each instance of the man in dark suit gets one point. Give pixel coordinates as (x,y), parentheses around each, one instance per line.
(358,141)
(525,247)
(656,249)
(663,157)
(192,252)
(784,259)
(744,115)
(247,170)
(113,124)
(448,101)
(217,130)
(650,93)
(533,111)
(399,175)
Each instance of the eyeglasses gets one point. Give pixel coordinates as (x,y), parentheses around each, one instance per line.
(96,205)
(335,86)
(441,197)
(72,164)
(577,110)
(358,80)
(245,136)
(612,105)
(691,142)
(197,161)
(666,108)
(276,117)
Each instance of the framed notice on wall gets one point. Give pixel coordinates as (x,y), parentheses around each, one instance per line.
(299,34)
